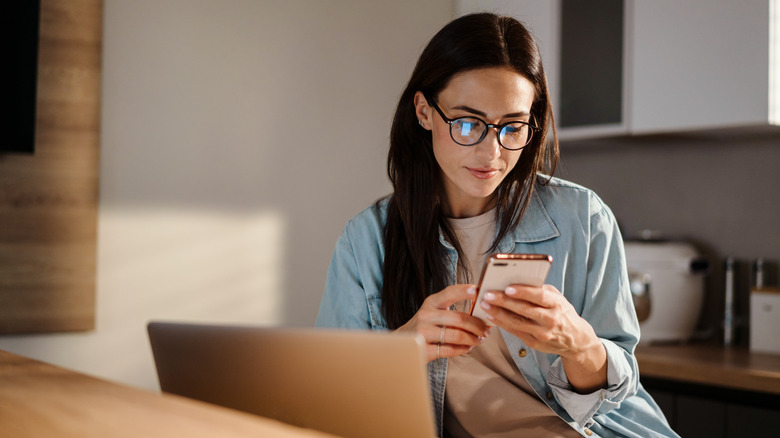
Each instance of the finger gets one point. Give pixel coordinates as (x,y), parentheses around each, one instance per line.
(521,327)
(436,351)
(451,295)
(507,318)
(458,328)
(544,296)
(527,330)
(520,307)
(465,322)
(457,336)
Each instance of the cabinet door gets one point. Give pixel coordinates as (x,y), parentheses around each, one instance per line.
(591,64)
(583,54)
(667,401)
(747,421)
(697,64)
(700,417)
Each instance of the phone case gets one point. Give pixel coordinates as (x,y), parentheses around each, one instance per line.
(501,270)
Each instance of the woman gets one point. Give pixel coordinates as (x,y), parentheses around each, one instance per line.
(467,152)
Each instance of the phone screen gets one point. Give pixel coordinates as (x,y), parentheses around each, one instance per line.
(502,270)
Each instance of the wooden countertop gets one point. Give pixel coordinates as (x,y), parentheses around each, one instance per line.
(735,368)
(42,400)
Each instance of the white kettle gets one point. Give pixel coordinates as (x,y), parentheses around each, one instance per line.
(667,285)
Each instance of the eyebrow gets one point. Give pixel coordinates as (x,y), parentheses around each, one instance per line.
(483,114)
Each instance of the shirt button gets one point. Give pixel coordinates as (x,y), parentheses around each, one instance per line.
(588,432)
(522,352)
(549,395)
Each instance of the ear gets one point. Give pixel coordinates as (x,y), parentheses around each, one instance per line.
(423,112)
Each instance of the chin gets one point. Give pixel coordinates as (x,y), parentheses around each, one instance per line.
(484,194)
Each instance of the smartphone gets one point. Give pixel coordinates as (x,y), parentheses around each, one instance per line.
(502,270)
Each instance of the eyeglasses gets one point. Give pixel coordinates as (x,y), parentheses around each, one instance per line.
(468,131)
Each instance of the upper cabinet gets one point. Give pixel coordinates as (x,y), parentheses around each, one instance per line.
(640,67)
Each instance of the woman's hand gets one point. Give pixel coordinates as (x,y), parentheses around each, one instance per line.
(447,333)
(544,320)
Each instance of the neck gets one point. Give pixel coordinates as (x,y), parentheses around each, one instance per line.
(462,210)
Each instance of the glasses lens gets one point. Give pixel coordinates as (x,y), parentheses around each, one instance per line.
(467,131)
(515,135)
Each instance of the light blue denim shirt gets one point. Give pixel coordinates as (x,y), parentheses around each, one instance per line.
(577,229)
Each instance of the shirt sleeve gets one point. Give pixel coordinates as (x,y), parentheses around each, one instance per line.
(344,303)
(583,407)
(610,311)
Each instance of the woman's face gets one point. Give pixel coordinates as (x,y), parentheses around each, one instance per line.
(471,174)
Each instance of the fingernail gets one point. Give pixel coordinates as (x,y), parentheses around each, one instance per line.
(490,296)
(485,305)
(487,332)
(510,291)
(472,290)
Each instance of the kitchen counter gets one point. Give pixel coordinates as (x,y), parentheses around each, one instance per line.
(734,368)
(41,400)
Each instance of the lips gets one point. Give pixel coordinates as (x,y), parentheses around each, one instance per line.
(482,172)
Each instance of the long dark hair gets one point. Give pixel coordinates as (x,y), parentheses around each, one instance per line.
(416,263)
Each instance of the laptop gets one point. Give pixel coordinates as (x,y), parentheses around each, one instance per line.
(344,382)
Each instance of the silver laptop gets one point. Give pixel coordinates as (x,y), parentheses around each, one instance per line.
(347,383)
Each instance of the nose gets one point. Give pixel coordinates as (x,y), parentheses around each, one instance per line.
(489,146)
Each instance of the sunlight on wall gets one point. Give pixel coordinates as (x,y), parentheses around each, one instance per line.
(182,265)
(201,266)
(191,265)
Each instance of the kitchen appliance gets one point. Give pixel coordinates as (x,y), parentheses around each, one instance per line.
(765,320)
(667,285)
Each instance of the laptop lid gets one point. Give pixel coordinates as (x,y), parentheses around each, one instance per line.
(347,383)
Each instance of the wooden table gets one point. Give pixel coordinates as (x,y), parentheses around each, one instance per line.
(42,400)
(734,368)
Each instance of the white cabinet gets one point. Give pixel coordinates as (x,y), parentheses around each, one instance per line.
(699,64)
(682,65)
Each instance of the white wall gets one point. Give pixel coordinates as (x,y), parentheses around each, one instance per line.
(238,136)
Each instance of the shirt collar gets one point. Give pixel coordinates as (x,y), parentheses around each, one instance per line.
(535,226)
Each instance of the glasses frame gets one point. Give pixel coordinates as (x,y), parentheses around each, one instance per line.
(499,128)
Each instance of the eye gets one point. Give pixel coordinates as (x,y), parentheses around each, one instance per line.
(515,130)
(468,128)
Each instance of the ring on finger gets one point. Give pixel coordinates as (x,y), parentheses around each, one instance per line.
(441,335)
